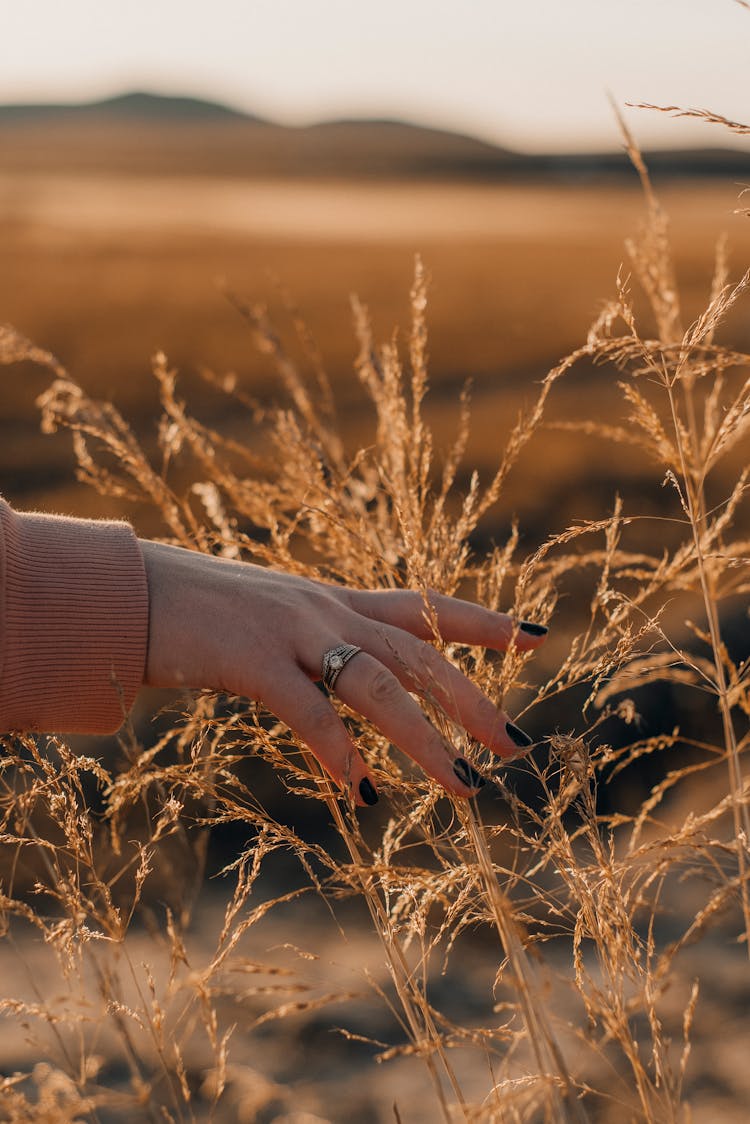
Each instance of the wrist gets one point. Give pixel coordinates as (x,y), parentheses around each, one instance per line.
(187,604)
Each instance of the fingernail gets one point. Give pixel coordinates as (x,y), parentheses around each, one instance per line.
(367,792)
(467,775)
(518,736)
(533,629)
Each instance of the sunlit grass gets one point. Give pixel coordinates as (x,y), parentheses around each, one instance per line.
(573,896)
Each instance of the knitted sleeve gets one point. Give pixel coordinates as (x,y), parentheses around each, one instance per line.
(73,623)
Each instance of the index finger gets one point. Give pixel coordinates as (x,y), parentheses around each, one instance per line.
(461,622)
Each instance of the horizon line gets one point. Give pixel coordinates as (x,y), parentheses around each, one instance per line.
(233,109)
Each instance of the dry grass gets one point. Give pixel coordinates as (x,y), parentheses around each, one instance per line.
(579,901)
(503,307)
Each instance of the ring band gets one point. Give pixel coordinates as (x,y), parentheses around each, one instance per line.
(334,661)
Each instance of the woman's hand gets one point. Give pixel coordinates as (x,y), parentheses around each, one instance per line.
(257,632)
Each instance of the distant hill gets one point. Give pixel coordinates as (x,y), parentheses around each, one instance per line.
(152,134)
(137,105)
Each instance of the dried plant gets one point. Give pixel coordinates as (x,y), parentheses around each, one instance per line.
(575,897)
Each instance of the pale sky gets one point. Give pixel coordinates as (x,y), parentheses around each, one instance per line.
(532,74)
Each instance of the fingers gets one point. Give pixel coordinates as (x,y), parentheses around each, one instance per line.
(309,714)
(374,691)
(393,630)
(421,668)
(459,621)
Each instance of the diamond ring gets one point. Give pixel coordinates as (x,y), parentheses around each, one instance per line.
(334,660)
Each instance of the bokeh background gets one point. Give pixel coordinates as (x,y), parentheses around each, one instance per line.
(154,157)
(313,150)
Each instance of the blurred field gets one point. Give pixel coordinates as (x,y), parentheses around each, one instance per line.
(285,1068)
(105,270)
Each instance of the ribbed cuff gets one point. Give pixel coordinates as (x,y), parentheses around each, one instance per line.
(73,623)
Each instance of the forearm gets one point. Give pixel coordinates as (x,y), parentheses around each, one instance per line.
(73,623)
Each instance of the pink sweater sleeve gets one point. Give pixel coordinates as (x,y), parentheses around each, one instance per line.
(73,623)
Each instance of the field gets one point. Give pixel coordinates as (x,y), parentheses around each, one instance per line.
(103,274)
(106,270)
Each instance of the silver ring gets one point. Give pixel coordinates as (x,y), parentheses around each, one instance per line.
(334,661)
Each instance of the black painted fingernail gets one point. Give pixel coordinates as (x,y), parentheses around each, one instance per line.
(367,792)
(533,629)
(467,775)
(518,736)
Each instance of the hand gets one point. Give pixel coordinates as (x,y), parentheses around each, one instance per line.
(246,630)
